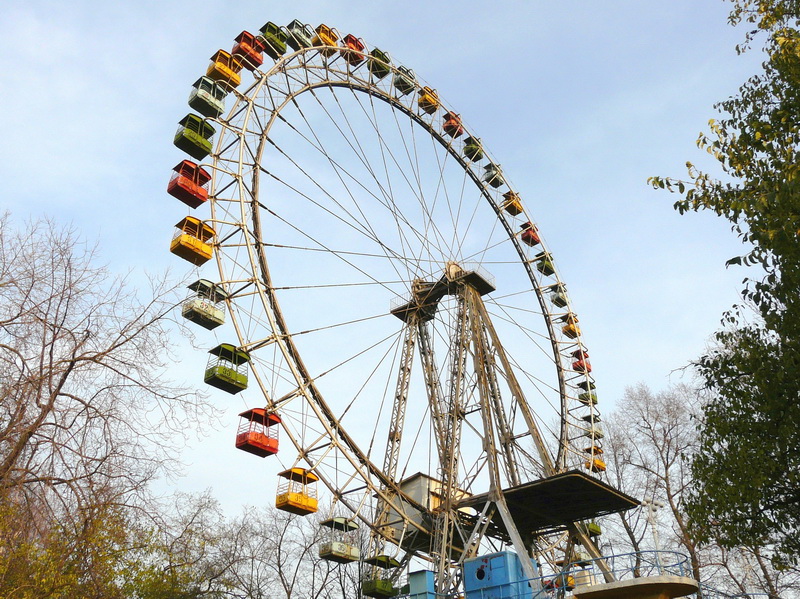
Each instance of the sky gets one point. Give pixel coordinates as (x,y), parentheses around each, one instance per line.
(579,101)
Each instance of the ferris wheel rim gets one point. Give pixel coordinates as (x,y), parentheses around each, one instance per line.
(286,339)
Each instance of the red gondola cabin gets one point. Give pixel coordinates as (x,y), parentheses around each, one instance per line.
(353,50)
(189,183)
(452,124)
(249,48)
(529,235)
(258,432)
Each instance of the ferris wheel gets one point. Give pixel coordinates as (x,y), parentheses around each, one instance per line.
(397,312)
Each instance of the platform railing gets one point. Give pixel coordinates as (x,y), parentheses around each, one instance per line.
(585,573)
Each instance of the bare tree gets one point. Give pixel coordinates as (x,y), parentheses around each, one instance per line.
(88,416)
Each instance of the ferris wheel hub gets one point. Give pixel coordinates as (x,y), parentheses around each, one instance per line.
(424,298)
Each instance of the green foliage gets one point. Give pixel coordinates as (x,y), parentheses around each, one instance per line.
(747,489)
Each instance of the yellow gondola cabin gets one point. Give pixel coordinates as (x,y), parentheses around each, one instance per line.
(298,494)
(192,240)
(225,69)
(326,36)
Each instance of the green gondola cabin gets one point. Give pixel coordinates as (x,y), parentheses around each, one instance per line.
(544,264)
(492,175)
(593,528)
(379,62)
(428,100)
(258,432)
(225,68)
(529,234)
(298,494)
(404,80)
(511,203)
(581,363)
(339,541)
(194,136)
(325,36)
(189,183)
(353,50)
(208,97)
(227,368)
(379,583)
(248,50)
(205,306)
(192,240)
(473,149)
(299,35)
(274,37)
(588,395)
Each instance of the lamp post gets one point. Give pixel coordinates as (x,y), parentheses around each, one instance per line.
(652,506)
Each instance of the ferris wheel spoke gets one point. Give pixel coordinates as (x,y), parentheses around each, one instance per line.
(352,220)
(352,238)
(385,149)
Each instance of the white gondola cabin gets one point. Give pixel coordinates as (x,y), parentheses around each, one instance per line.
(492,175)
(558,295)
(339,546)
(404,80)
(208,97)
(299,35)
(205,305)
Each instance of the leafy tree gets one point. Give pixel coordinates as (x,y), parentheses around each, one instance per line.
(650,441)
(747,469)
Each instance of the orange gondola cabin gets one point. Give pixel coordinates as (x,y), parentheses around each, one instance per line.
(581,363)
(192,240)
(452,124)
(511,203)
(189,183)
(248,49)
(258,432)
(298,494)
(353,50)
